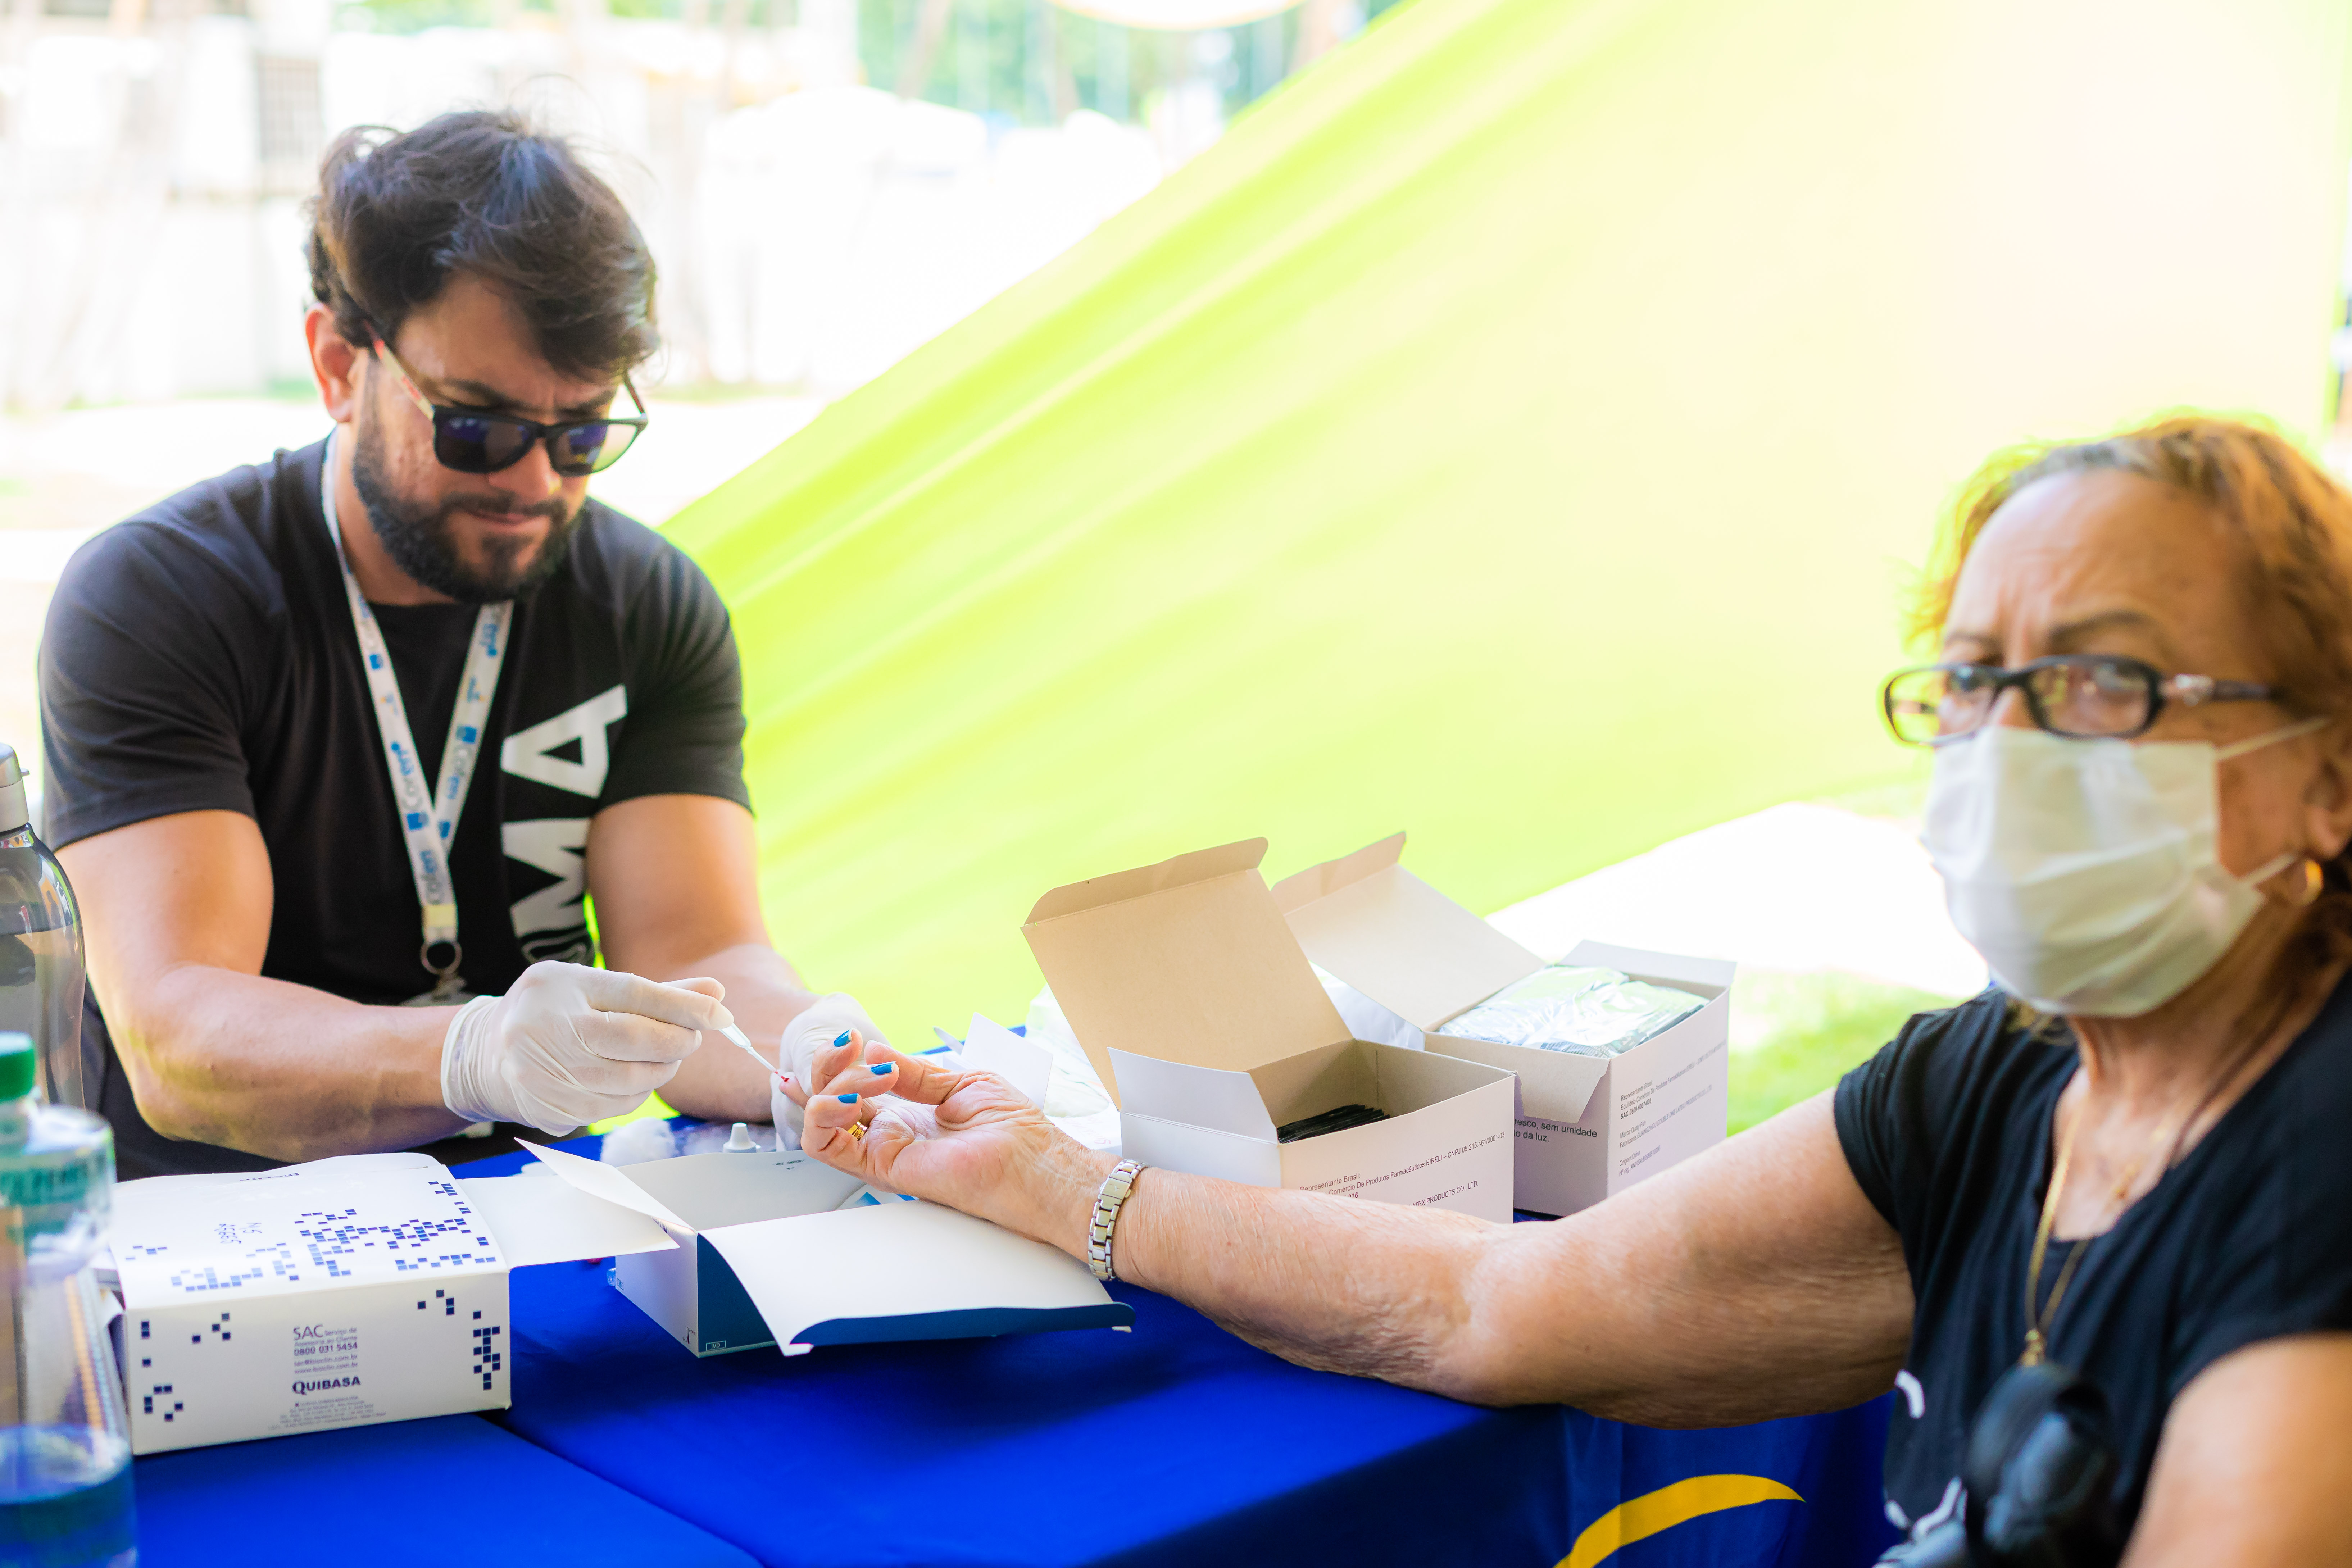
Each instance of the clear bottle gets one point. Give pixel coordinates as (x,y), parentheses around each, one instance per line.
(40,946)
(65,1450)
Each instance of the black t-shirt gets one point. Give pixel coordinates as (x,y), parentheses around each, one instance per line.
(201,655)
(2248,1238)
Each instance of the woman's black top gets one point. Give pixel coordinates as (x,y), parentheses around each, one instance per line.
(2248,1238)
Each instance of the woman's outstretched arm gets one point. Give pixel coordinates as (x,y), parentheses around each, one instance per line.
(1756,1280)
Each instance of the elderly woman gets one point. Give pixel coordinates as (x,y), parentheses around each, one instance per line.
(2130,1160)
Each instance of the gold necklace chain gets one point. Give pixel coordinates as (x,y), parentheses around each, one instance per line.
(2168,1136)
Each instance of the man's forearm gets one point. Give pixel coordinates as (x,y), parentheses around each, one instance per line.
(278,1069)
(719,1082)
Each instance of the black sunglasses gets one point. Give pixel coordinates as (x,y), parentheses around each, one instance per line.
(473,442)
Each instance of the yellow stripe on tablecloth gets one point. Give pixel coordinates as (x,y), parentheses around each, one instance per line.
(1637,1518)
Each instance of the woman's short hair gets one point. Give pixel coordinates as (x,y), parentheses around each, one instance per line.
(2292,522)
(486,194)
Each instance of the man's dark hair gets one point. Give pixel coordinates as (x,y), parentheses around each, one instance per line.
(486,194)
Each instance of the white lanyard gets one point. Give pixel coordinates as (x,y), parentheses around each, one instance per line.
(426,821)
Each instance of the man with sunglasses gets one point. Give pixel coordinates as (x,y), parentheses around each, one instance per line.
(343,745)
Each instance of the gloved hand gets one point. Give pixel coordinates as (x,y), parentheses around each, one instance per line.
(812,1031)
(570,1045)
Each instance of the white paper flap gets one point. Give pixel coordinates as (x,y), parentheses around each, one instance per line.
(707,1191)
(894,1259)
(544,1221)
(1215,1098)
(1712,973)
(1025,1064)
(1367,1020)
(1202,1150)
(606,1182)
(1397,940)
(1556,1085)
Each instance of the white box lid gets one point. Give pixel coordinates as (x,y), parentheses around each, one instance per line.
(1187,960)
(1396,938)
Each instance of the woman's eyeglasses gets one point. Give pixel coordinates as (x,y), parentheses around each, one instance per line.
(473,442)
(2083,696)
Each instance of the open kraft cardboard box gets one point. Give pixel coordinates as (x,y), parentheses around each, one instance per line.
(1193,999)
(1587,1126)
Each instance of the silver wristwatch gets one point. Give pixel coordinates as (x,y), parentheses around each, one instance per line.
(1114,1188)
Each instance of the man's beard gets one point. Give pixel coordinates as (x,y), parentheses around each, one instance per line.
(422,540)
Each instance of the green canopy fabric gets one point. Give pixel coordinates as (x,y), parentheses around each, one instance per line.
(1519,430)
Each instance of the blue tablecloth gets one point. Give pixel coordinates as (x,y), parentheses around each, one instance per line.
(1174,1444)
(1832,1464)
(454,1489)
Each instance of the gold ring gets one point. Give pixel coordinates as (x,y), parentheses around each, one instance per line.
(857,1132)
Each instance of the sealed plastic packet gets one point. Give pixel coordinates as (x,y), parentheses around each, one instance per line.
(1577,1010)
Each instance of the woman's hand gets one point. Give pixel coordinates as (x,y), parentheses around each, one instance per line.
(966,1139)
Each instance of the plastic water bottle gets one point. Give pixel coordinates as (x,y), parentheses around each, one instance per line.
(65,1450)
(40,945)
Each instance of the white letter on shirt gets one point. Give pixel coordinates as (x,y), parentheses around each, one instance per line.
(527,755)
(553,845)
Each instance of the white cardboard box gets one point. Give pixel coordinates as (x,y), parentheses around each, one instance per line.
(781,1249)
(374,1288)
(1587,1126)
(336,1293)
(1191,998)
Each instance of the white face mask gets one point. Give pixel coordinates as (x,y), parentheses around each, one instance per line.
(2087,872)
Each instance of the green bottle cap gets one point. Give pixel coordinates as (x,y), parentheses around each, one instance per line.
(20,1065)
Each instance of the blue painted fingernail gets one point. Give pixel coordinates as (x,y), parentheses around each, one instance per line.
(842,1038)
(849,1100)
(879,1067)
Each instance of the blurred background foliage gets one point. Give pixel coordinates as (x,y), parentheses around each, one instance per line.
(1020,62)
(1800,1033)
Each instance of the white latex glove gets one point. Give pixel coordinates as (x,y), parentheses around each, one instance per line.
(571,1045)
(815,1029)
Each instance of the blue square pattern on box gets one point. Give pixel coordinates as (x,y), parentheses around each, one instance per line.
(415,1221)
(334,1239)
(157,1398)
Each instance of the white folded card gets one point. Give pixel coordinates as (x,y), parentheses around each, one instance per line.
(780,1248)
